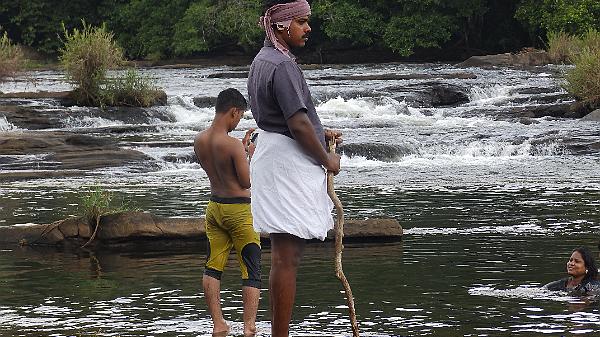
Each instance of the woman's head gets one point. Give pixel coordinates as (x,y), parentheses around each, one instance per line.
(581,263)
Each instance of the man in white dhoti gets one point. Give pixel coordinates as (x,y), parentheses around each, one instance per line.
(289,166)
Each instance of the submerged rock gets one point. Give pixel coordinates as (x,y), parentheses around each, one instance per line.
(133,227)
(65,151)
(430,94)
(373,151)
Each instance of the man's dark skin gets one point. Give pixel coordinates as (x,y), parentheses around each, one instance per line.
(287,249)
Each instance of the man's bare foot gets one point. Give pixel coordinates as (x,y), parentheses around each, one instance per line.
(250,332)
(221,329)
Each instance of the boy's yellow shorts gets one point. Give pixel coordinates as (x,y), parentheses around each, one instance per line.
(229,225)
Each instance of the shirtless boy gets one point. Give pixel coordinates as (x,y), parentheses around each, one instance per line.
(228,216)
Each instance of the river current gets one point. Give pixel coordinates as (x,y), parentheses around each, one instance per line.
(491,201)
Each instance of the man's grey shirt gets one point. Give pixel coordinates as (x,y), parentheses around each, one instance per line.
(277,90)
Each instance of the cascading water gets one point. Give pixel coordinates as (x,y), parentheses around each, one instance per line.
(491,201)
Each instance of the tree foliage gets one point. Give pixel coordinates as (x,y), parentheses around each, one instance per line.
(211,25)
(571,16)
(157,29)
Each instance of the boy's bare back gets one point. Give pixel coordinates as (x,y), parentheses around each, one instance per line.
(224,160)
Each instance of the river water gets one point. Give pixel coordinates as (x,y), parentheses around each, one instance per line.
(492,203)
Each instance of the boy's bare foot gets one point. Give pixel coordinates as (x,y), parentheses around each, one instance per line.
(221,329)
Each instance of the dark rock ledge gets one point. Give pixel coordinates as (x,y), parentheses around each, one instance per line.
(136,227)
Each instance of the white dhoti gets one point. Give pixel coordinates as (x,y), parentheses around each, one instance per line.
(289,190)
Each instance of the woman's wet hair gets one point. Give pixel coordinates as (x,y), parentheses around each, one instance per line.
(270,3)
(590,263)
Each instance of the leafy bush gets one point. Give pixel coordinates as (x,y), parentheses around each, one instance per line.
(96,203)
(583,81)
(11,57)
(562,46)
(591,40)
(133,89)
(86,57)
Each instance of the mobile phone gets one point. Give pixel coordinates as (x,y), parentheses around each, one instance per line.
(253,137)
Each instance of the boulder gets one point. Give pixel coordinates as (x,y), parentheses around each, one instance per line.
(205,101)
(30,234)
(135,227)
(592,116)
(180,227)
(364,230)
(129,225)
(524,59)
(430,94)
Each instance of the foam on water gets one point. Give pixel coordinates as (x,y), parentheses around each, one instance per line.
(337,108)
(488,153)
(90,122)
(489,95)
(5,125)
(524,229)
(184,110)
(494,149)
(523,292)
(159,155)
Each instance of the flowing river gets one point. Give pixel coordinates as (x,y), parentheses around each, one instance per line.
(492,203)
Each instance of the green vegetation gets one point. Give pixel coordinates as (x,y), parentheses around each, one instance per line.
(574,17)
(11,57)
(96,203)
(583,81)
(132,89)
(217,25)
(562,47)
(87,55)
(152,29)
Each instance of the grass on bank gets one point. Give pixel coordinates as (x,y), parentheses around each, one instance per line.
(582,81)
(12,59)
(87,56)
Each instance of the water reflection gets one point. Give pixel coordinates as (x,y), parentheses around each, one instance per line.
(427,285)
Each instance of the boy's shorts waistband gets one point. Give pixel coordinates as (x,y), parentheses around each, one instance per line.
(230,200)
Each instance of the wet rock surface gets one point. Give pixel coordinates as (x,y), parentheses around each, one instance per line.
(25,150)
(132,227)
(525,59)
(430,94)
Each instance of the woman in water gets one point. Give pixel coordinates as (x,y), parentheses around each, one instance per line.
(582,271)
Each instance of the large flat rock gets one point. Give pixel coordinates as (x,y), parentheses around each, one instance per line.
(137,226)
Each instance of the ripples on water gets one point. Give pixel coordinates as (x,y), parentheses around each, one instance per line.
(428,285)
(492,204)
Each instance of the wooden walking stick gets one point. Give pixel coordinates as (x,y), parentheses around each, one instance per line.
(339,247)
